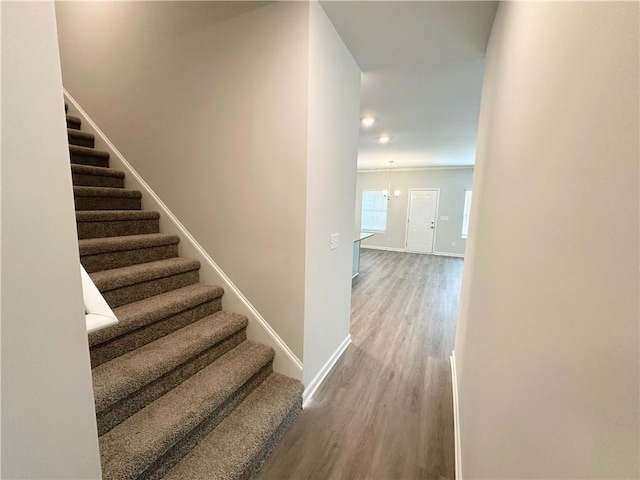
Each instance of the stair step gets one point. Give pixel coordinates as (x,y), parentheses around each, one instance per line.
(82,139)
(116,223)
(156,437)
(120,286)
(132,381)
(241,443)
(106,198)
(98,254)
(147,320)
(89,176)
(73,122)
(88,156)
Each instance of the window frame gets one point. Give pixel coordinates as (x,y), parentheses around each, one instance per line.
(386,212)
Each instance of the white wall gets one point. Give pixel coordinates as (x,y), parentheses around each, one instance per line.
(452,182)
(208,102)
(48,418)
(334,103)
(547,342)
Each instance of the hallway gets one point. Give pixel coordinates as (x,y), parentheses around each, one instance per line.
(385,411)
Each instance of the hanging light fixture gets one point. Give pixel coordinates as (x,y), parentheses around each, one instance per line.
(396,193)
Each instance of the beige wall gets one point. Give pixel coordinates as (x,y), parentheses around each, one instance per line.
(547,343)
(452,183)
(334,79)
(208,102)
(48,418)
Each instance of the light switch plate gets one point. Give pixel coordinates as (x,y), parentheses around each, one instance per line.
(335,241)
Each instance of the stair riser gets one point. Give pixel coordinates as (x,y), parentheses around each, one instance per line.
(103,352)
(139,291)
(81,141)
(72,124)
(107,203)
(109,418)
(163,464)
(107,261)
(89,160)
(117,229)
(80,180)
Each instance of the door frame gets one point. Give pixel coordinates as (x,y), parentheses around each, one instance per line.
(435,223)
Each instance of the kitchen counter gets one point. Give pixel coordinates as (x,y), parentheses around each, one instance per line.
(355,269)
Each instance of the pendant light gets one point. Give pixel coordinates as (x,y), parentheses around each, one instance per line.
(396,193)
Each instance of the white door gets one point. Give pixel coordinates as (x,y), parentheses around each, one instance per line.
(422,220)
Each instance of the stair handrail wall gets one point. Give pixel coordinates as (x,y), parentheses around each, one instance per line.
(97,313)
(258,329)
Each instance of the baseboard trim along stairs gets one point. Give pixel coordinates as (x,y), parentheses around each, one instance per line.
(181,389)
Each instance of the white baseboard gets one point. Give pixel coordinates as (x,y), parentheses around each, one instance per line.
(258,329)
(404,250)
(324,371)
(388,249)
(456,418)
(447,254)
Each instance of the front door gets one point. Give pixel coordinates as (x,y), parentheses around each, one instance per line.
(423,205)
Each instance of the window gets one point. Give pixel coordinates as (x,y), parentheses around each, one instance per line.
(465,215)
(374,211)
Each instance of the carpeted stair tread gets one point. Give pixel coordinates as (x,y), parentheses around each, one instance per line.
(80,138)
(80,134)
(89,152)
(141,322)
(73,122)
(97,254)
(96,176)
(88,156)
(238,446)
(123,277)
(106,198)
(80,191)
(124,375)
(144,312)
(116,223)
(115,215)
(98,171)
(135,445)
(94,246)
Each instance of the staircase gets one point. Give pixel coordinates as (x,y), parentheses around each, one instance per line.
(180,393)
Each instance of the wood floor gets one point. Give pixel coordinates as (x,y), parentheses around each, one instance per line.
(385,411)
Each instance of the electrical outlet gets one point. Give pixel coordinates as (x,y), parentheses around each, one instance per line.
(444,218)
(334,241)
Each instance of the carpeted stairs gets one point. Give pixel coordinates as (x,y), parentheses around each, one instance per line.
(180,393)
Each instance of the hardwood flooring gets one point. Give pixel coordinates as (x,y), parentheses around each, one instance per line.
(385,411)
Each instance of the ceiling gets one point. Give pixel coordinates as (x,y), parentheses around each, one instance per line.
(422,65)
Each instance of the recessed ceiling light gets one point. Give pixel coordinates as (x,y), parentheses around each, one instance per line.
(367,121)
(384,138)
